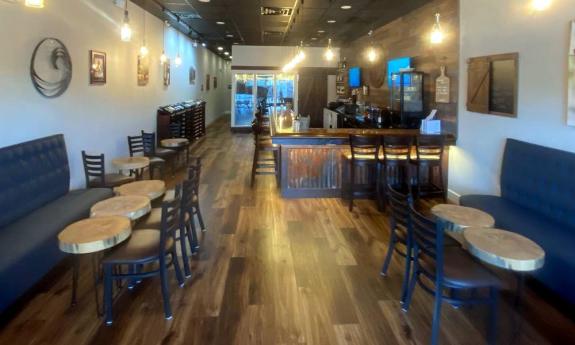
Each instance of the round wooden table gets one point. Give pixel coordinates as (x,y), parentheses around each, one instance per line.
(94,234)
(174,142)
(132,164)
(131,206)
(504,249)
(152,189)
(458,218)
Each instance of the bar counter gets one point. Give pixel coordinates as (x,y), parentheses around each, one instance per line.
(312,161)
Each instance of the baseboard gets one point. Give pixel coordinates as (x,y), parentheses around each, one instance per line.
(453,197)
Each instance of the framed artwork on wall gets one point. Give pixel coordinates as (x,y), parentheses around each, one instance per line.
(167,73)
(97,67)
(571,73)
(143,70)
(208,80)
(192,76)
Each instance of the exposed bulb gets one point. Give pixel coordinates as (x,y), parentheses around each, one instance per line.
(126,32)
(300,57)
(144,50)
(163,58)
(540,5)
(436,33)
(34,3)
(178,60)
(329,55)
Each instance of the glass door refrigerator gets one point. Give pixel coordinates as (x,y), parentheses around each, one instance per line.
(243,100)
(407,97)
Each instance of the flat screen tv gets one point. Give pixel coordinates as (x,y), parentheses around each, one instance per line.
(396,65)
(354,77)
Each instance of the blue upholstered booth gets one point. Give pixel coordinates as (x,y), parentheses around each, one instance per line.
(538,201)
(35,204)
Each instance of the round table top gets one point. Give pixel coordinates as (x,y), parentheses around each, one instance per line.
(94,234)
(504,249)
(174,142)
(129,163)
(152,189)
(131,206)
(462,217)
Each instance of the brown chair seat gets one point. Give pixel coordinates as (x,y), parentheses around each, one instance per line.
(459,268)
(143,244)
(163,152)
(157,160)
(153,220)
(112,180)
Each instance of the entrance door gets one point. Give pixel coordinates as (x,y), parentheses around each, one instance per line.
(243,100)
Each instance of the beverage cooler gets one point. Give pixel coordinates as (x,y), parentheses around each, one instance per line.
(270,90)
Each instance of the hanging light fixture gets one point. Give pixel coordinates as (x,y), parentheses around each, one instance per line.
(126,31)
(178,59)
(144,48)
(163,57)
(371,51)
(329,55)
(540,5)
(300,56)
(34,3)
(437,33)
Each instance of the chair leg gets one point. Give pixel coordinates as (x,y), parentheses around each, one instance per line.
(193,237)
(108,293)
(185,259)
(351,186)
(165,287)
(406,274)
(254,166)
(412,282)
(177,269)
(200,219)
(492,332)
(390,249)
(436,316)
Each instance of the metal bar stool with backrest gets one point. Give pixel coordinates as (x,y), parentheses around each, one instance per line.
(95,173)
(438,268)
(150,150)
(364,156)
(428,154)
(176,131)
(262,165)
(136,146)
(146,246)
(395,163)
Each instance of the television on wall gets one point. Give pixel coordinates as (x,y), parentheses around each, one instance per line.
(354,77)
(396,65)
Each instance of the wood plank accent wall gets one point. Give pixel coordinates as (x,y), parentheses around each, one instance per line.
(410,36)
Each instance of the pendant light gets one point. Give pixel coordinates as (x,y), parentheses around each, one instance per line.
(540,5)
(371,52)
(144,48)
(126,31)
(163,57)
(329,55)
(34,3)
(178,59)
(437,33)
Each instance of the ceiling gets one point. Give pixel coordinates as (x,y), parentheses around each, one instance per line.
(244,23)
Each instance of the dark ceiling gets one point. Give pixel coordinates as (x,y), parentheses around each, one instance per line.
(244,23)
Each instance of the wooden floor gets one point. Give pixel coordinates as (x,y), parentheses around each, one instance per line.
(272,271)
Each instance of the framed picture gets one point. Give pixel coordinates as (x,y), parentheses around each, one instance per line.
(167,73)
(97,67)
(215,82)
(208,80)
(192,76)
(571,78)
(143,70)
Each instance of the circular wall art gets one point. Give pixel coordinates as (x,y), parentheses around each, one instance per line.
(51,68)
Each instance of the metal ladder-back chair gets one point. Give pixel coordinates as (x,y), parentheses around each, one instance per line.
(95,173)
(136,146)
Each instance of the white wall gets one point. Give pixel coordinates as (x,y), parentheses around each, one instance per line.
(95,118)
(276,56)
(542,41)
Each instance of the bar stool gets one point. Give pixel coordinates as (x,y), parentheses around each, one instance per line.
(428,155)
(150,150)
(136,146)
(95,173)
(262,165)
(395,163)
(176,132)
(364,156)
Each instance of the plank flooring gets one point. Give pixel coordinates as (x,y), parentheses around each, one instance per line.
(272,271)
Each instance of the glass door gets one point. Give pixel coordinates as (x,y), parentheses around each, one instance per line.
(285,91)
(243,100)
(265,93)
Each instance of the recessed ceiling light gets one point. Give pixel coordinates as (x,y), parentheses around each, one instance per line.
(331,21)
(314,38)
(226,53)
(220,23)
(203,44)
(320,31)
(236,43)
(204,0)
(231,57)
(220,48)
(229,35)
(345,7)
